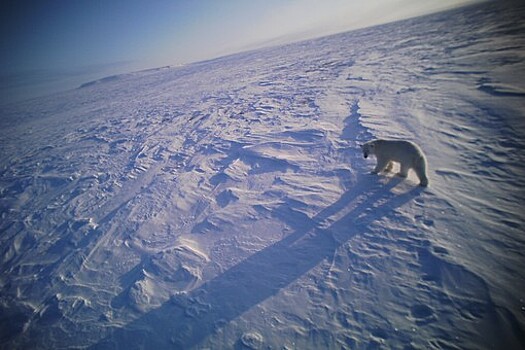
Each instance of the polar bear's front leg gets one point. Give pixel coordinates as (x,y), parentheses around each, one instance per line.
(403,172)
(388,167)
(381,164)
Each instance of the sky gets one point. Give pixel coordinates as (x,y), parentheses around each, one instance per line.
(53,44)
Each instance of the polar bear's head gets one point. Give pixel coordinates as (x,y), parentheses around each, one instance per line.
(368,148)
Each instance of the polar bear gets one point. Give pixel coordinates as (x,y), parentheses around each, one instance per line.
(406,153)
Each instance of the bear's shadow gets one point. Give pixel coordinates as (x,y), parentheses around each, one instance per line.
(265,273)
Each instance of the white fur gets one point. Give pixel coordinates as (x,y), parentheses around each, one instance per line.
(406,153)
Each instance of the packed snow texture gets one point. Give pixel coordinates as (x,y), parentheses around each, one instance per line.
(226,204)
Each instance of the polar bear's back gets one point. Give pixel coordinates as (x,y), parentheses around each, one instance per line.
(398,150)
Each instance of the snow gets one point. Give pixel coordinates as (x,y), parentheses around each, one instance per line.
(226,204)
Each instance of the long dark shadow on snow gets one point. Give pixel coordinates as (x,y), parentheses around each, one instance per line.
(185,321)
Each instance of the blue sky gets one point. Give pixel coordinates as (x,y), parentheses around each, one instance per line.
(44,41)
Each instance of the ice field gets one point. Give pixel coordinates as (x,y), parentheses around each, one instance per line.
(226,204)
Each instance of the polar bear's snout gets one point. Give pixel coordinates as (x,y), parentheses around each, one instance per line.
(366,148)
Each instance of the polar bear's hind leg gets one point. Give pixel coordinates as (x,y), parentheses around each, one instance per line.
(421,170)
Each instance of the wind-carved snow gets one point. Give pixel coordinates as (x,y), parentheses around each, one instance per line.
(226,204)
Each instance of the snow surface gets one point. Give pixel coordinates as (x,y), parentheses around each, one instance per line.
(226,204)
